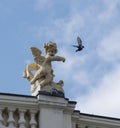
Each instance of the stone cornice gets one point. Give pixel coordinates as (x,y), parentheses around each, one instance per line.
(89,119)
(20,101)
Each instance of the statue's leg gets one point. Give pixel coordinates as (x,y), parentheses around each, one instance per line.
(37,76)
(48,79)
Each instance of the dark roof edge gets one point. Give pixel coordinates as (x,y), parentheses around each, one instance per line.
(99,116)
(18,95)
(72,102)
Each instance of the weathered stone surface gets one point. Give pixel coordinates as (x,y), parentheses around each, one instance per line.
(42,78)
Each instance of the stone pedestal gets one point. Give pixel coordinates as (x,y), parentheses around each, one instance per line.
(51,118)
(55,112)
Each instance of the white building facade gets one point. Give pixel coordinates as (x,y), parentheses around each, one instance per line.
(45,111)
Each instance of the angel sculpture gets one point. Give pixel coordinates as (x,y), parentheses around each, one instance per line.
(44,72)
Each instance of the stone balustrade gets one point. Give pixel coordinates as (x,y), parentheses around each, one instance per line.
(44,111)
(18,111)
(17,118)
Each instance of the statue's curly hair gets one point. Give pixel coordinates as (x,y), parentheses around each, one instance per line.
(50,45)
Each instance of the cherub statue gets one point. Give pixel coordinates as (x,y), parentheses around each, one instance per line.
(44,72)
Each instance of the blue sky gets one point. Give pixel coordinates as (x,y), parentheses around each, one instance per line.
(92,76)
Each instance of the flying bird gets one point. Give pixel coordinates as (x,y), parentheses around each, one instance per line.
(79,46)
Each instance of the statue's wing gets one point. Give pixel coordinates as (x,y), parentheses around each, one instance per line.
(28,71)
(37,55)
(79,40)
(35,51)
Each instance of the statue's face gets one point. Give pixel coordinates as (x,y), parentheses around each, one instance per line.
(51,52)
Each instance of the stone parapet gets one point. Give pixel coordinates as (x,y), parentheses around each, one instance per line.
(43,111)
(18,111)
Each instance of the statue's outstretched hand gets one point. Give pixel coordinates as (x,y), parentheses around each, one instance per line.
(63,59)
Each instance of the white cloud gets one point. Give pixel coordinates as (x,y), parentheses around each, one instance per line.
(62,30)
(82,77)
(109,48)
(68,69)
(110,9)
(104,99)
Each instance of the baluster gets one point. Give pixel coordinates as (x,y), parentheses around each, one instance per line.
(73,125)
(33,122)
(22,122)
(11,120)
(81,126)
(1,118)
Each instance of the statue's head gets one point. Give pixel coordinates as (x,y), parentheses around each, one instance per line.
(50,48)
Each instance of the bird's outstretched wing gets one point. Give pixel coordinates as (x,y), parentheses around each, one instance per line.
(79,41)
(37,55)
(75,46)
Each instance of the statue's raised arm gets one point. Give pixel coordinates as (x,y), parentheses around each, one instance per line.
(43,77)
